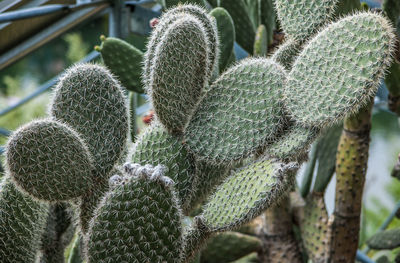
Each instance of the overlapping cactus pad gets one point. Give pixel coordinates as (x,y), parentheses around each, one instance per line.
(139,221)
(339,69)
(92,102)
(247,192)
(49,160)
(156,146)
(241,112)
(302,18)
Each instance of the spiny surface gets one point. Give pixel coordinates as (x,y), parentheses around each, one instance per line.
(246,193)
(339,70)
(22,221)
(156,146)
(241,112)
(302,18)
(92,102)
(178,75)
(138,221)
(314,228)
(165,22)
(293,144)
(49,161)
(124,61)
(287,53)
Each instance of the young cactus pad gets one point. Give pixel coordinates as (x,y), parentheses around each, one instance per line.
(302,18)
(179,72)
(138,220)
(241,112)
(339,69)
(49,161)
(156,146)
(92,102)
(246,193)
(165,22)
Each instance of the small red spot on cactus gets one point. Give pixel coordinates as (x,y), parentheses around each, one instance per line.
(154,22)
(148,118)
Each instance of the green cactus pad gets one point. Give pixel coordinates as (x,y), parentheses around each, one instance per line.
(387,239)
(165,22)
(124,61)
(302,18)
(22,221)
(261,41)
(49,161)
(208,177)
(293,144)
(156,146)
(314,228)
(179,73)
(229,246)
(92,102)
(244,28)
(241,112)
(139,220)
(287,53)
(339,70)
(267,18)
(246,193)
(226,31)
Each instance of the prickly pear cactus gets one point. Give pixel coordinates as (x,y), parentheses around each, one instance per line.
(62,173)
(138,221)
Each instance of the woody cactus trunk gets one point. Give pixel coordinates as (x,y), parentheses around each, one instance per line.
(224,147)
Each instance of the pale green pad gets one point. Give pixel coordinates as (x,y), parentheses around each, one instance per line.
(293,144)
(92,102)
(178,74)
(339,70)
(156,146)
(302,18)
(22,221)
(261,42)
(165,22)
(49,161)
(241,112)
(246,193)
(138,221)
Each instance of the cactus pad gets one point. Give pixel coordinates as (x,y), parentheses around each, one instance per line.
(293,144)
(387,239)
(49,161)
(244,28)
(22,221)
(165,22)
(287,53)
(226,30)
(246,193)
(261,41)
(241,112)
(314,228)
(138,221)
(302,18)
(92,102)
(124,61)
(339,69)
(156,146)
(179,72)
